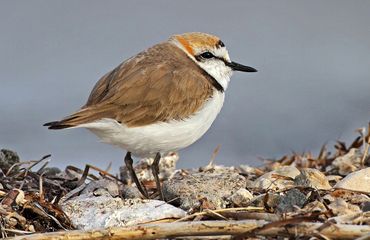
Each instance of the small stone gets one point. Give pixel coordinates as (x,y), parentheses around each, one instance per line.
(312,178)
(349,162)
(366,207)
(334,178)
(279,179)
(290,200)
(188,191)
(7,159)
(341,207)
(328,198)
(131,192)
(269,200)
(241,198)
(357,181)
(102,187)
(52,171)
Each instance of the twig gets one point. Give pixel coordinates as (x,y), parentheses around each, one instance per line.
(219,211)
(71,193)
(18,164)
(17,231)
(206,228)
(213,157)
(366,151)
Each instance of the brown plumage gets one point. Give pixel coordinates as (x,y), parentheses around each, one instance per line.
(149,88)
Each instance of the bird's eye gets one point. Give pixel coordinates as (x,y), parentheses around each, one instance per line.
(207,55)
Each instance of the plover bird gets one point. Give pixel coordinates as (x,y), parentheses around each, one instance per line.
(163,99)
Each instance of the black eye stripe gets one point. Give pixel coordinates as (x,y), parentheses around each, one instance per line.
(207,55)
(200,57)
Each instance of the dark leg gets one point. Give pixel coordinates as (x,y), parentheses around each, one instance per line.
(155,171)
(129,161)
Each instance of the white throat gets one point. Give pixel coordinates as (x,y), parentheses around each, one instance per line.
(218,71)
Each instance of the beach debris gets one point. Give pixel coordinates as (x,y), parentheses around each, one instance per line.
(357,181)
(8,160)
(107,211)
(241,198)
(269,201)
(291,200)
(349,162)
(278,179)
(290,196)
(199,190)
(340,207)
(312,178)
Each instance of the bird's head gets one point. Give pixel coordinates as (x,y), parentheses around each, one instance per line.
(210,53)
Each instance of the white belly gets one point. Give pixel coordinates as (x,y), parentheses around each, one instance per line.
(161,137)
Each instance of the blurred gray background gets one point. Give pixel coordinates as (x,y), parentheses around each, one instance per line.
(313,84)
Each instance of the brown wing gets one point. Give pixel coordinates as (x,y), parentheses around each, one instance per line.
(149,88)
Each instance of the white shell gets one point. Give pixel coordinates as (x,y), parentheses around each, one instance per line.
(357,181)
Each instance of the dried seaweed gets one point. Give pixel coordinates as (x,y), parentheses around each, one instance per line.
(297,206)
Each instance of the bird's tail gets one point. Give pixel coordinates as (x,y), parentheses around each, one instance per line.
(62,124)
(85,115)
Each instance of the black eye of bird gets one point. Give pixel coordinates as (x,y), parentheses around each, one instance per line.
(207,55)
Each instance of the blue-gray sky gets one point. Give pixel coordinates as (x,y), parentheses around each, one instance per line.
(313,83)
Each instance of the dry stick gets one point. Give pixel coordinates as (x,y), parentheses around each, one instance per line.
(243,215)
(365,152)
(205,228)
(43,167)
(364,237)
(156,231)
(214,155)
(41,189)
(18,164)
(212,212)
(219,211)
(104,172)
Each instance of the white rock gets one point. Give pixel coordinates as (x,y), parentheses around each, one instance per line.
(241,197)
(89,212)
(272,180)
(357,181)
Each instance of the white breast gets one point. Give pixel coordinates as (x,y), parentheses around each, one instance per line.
(161,137)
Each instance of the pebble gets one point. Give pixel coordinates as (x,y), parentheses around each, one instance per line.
(290,200)
(270,200)
(340,207)
(102,187)
(241,198)
(273,181)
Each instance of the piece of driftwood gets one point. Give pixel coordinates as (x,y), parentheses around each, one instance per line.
(208,228)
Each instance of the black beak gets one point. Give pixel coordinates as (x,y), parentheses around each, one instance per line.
(239,67)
